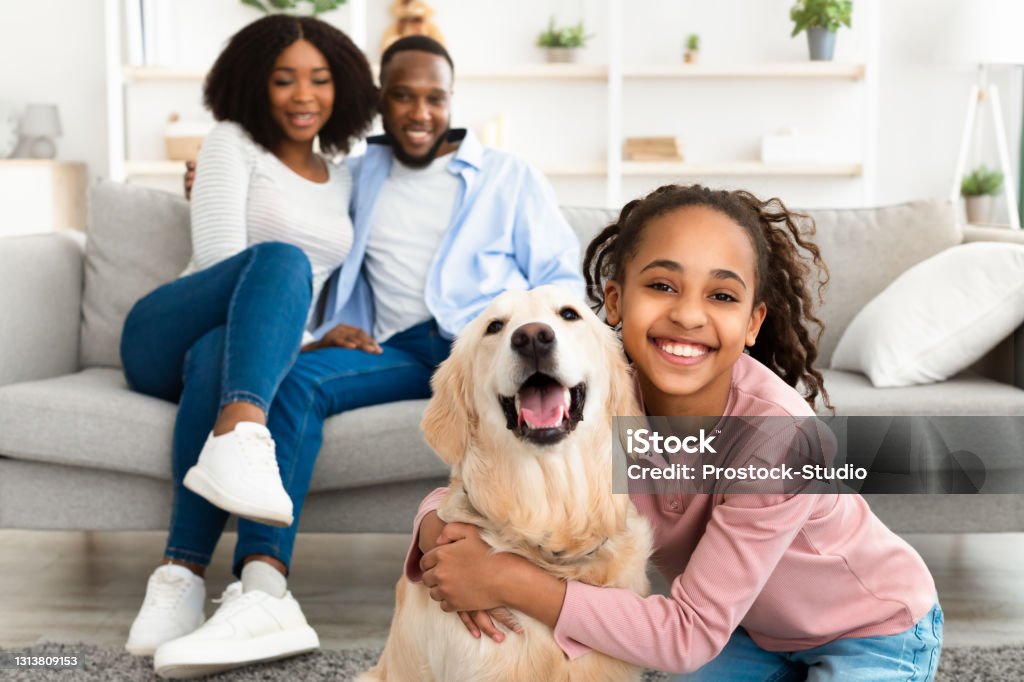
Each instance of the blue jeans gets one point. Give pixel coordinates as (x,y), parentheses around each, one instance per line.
(910,656)
(232,332)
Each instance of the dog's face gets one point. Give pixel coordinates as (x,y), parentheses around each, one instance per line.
(529,369)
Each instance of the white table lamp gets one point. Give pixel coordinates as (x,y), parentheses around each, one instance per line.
(41,122)
(988,32)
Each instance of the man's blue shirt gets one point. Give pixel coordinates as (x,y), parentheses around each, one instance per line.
(507,232)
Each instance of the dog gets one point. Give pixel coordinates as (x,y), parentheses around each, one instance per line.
(522,413)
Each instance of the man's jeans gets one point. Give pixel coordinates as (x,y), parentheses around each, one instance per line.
(232,332)
(909,656)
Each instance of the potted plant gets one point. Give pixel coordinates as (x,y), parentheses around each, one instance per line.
(977,189)
(692,49)
(303,7)
(563,43)
(821,19)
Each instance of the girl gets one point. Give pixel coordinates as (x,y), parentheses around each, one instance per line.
(712,296)
(269,224)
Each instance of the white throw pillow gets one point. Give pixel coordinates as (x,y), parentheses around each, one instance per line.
(938,317)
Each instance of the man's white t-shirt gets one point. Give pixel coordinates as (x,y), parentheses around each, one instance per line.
(413,212)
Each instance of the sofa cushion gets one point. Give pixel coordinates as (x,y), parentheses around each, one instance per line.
(964,394)
(586,222)
(138,239)
(865,249)
(938,317)
(91,419)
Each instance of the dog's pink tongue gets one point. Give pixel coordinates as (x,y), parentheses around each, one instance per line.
(542,406)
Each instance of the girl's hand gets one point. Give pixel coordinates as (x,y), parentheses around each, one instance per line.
(431,528)
(483,621)
(346,336)
(462,572)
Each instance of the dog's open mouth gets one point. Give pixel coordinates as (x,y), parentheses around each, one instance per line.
(543,410)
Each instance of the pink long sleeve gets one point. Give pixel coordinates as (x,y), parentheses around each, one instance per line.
(730,565)
(412,558)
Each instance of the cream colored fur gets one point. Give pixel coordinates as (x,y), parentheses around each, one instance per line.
(551,504)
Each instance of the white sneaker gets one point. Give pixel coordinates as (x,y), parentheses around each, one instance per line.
(238,473)
(173,607)
(249,627)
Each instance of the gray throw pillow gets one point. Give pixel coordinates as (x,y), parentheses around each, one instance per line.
(138,239)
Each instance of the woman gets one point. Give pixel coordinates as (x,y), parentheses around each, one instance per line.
(269,224)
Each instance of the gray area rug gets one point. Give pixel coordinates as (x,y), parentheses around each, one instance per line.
(967,664)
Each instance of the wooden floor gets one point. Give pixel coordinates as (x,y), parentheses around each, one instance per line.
(86,587)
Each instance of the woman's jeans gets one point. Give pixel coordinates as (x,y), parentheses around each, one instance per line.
(909,656)
(232,332)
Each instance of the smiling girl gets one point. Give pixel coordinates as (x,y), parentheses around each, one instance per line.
(712,294)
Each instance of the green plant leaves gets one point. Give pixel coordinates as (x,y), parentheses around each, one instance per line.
(287,6)
(567,36)
(255,3)
(981,181)
(829,14)
(326,5)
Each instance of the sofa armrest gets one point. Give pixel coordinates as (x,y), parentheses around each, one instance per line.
(1010,354)
(40,305)
(975,233)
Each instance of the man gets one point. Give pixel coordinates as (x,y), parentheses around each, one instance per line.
(442,225)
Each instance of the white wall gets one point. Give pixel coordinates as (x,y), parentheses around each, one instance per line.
(57,55)
(52,52)
(923,99)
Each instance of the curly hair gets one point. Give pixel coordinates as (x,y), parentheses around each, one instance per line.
(786,343)
(236,88)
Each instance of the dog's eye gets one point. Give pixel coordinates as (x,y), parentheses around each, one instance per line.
(569,314)
(495,327)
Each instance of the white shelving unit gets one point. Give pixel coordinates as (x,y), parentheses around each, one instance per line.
(614,76)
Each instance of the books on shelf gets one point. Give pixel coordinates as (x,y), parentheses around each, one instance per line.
(653,149)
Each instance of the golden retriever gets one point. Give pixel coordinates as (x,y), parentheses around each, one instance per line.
(522,413)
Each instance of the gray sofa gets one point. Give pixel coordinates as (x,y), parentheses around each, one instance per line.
(78,450)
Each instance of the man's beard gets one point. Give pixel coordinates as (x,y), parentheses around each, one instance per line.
(407,159)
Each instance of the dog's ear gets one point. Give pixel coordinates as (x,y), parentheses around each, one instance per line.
(622,391)
(448,419)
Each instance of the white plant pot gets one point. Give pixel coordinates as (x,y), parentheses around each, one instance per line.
(979,209)
(561,55)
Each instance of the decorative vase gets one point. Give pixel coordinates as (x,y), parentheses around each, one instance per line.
(561,55)
(979,209)
(821,42)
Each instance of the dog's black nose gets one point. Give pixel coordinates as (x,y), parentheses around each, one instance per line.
(533,340)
